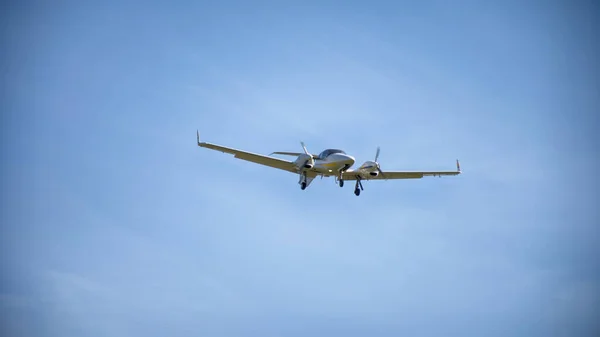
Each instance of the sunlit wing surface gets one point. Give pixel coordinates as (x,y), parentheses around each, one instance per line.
(352,175)
(396,175)
(253,157)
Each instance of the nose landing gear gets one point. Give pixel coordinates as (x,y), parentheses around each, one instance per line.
(339,178)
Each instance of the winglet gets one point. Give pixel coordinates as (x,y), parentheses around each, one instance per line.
(198,137)
(457,166)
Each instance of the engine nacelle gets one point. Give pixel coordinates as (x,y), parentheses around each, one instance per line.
(368,166)
(305,161)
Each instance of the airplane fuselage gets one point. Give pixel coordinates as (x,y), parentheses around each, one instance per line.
(331,165)
(334,163)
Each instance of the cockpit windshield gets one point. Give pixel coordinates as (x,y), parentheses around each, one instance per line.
(328,152)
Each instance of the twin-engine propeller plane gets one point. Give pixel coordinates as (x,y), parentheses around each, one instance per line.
(330,162)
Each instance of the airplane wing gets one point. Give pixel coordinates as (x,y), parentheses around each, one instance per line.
(352,175)
(251,157)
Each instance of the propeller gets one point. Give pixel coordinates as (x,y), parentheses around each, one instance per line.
(377,163)
(305,150)
(310,161)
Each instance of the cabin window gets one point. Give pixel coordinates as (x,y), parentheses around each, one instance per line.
(328,152)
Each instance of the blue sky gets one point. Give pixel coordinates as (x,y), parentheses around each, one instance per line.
(115,223)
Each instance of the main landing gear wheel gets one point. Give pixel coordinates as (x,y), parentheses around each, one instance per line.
(341,183)
(303,181)
(356,188)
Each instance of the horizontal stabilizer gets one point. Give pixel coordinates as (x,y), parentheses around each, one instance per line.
(292,154)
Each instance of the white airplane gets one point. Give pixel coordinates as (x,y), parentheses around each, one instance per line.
(330,162)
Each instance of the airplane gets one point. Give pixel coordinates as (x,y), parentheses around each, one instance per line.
(330,162)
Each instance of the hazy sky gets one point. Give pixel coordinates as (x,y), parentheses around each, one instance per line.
(114,223)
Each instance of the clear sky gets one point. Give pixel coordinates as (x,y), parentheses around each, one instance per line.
(114,223)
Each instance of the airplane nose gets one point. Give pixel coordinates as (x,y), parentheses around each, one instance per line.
(343,159)
(349,159)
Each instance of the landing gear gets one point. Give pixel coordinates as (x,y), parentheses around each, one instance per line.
(356,188)
(302,181)
(339,178)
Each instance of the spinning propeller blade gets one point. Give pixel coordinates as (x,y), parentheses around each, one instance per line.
(380,171)
(376,162)
(304,147)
